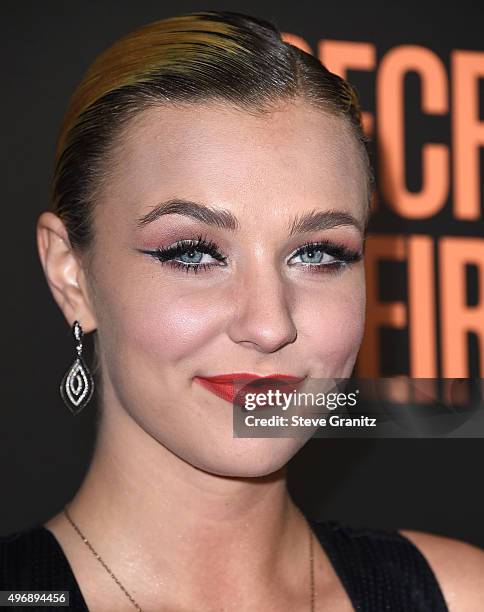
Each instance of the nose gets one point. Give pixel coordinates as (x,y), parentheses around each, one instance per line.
(262,318)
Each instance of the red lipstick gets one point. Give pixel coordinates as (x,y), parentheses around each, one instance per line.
(226,385)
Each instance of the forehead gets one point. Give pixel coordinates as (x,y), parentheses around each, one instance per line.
(290,158)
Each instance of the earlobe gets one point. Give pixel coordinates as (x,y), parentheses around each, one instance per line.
(62,269)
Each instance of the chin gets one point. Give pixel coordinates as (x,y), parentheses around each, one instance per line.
(249,457)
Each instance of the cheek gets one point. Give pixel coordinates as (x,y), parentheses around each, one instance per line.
(174,330)
(162,323)
(334,325)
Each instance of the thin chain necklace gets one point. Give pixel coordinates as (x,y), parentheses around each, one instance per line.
(136,605)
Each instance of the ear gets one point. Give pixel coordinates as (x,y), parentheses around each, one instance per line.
(63,271)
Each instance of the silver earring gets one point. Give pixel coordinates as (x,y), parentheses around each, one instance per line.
(77,385)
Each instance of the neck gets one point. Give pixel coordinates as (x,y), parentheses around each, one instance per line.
(158,515)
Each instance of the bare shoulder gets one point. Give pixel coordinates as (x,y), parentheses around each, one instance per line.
(458,567)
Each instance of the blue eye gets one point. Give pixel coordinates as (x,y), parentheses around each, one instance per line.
(325,256)
(188,255)
(191,256)
(317,256)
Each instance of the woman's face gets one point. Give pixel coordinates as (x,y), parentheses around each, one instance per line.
(251,302)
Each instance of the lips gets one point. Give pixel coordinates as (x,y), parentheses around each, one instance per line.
(225,386)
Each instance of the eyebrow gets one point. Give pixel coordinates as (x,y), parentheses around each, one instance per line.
(211,216)
(222,218)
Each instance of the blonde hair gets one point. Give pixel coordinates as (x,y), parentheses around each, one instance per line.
(196,57)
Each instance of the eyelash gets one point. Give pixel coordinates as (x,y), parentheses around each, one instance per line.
(344,256)
(165,256)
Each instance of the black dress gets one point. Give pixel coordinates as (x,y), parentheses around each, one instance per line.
(381,570)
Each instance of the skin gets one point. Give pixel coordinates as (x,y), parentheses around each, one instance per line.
(169,485)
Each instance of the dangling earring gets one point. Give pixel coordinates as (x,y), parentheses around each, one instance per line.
(77,385)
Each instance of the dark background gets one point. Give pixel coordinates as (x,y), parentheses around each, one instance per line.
(432,485)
